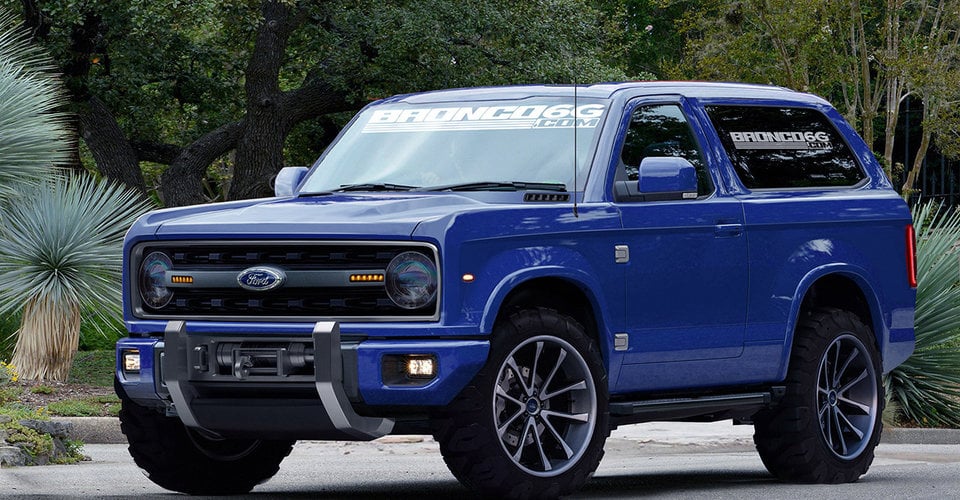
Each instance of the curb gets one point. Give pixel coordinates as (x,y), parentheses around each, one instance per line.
(903,435)
(106,430)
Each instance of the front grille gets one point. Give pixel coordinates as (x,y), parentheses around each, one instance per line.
(316,286)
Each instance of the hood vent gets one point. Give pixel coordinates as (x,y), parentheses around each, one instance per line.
(546,197)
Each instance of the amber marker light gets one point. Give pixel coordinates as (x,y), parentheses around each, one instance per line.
(182,280)
(468,278)
(366,278)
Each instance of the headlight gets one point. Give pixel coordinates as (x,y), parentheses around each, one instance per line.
(411,280)
(153,282)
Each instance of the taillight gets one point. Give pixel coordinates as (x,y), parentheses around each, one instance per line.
(911,257)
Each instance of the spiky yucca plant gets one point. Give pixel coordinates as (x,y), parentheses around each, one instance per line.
(33,136)
(927,386)
(60,253)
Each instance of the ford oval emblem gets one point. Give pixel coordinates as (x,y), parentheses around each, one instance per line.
(261,279)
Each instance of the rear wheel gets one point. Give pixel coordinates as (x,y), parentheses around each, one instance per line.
(827,425)
(182,459)
(533,422)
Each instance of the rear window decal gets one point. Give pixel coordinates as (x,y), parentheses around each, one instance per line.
(780,140)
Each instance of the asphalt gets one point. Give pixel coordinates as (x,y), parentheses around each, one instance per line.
(106,430)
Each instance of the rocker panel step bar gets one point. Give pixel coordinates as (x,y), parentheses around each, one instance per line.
(677,408)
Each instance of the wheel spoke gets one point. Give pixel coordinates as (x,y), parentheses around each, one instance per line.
(556,367)
(826,426)
(523,438)
(864,408)
(823,409)
(845,388)
(512,363)
(503,428)
(536,359)
(836,424)
(853,428)
(576,386)
(577,417)
(556,435)
(846,364)
(543,454)
(833,366)
(503,394)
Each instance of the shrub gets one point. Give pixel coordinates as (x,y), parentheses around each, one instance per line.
(927,386)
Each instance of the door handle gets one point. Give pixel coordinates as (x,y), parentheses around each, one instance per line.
(725,230)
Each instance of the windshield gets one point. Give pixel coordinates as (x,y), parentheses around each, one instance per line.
(489,145)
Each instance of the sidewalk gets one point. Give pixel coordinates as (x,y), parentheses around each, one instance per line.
(106,430)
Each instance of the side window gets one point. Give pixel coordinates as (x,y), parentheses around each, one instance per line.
(661,130)
(784,147)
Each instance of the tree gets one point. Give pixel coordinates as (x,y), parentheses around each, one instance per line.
(867,56)
(931,62)
(60,254)
(33,134)
(60,236)
(237,76)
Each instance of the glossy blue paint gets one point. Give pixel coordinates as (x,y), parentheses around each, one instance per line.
(709,297)
(457,362)
(142,385)
(288,180)
(666,175)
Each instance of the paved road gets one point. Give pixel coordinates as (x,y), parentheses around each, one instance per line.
(414,469)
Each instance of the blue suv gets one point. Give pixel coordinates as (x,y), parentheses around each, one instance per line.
(519,270)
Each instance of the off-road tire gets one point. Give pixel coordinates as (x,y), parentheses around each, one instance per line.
(833,395)
(528,397)
(182,460)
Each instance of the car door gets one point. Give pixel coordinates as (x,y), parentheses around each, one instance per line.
(686,265)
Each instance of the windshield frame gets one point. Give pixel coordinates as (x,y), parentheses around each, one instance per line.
(593,111)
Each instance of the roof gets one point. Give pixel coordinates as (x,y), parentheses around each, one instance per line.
(607,91)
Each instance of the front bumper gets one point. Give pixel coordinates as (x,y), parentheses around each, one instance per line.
(289,386)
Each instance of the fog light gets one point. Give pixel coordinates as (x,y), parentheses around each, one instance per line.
(421,367)
(409,370)
(131,361)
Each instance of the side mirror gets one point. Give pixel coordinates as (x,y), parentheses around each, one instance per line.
(667,178)
(288,180)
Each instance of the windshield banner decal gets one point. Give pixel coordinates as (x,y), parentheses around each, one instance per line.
(483,118)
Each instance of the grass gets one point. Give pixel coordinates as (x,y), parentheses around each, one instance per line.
(98,406)
(93,368)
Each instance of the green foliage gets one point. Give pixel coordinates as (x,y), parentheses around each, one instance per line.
(31,133)
(927,386)
(86,407)
(8,373)
(93,368)
(42,389)
(98,333)
(9,394)
(61,242)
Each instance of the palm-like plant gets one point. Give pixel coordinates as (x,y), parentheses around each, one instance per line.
(927,386)
(60,238)
(60,253)
(33,136)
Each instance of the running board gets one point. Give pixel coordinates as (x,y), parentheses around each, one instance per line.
(721,406)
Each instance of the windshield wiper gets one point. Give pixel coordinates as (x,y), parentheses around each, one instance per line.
(374,187)
(501,186)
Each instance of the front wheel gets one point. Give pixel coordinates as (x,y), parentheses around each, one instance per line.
(827,425)
(533,422)
(180,459)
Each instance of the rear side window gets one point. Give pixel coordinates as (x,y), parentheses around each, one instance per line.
(784,147)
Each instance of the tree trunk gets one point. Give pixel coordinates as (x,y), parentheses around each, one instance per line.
(182,182)
(907,190)
(115,157)
(260,149)
(47,341)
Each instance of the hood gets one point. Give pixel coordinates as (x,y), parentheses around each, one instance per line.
(353,215)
